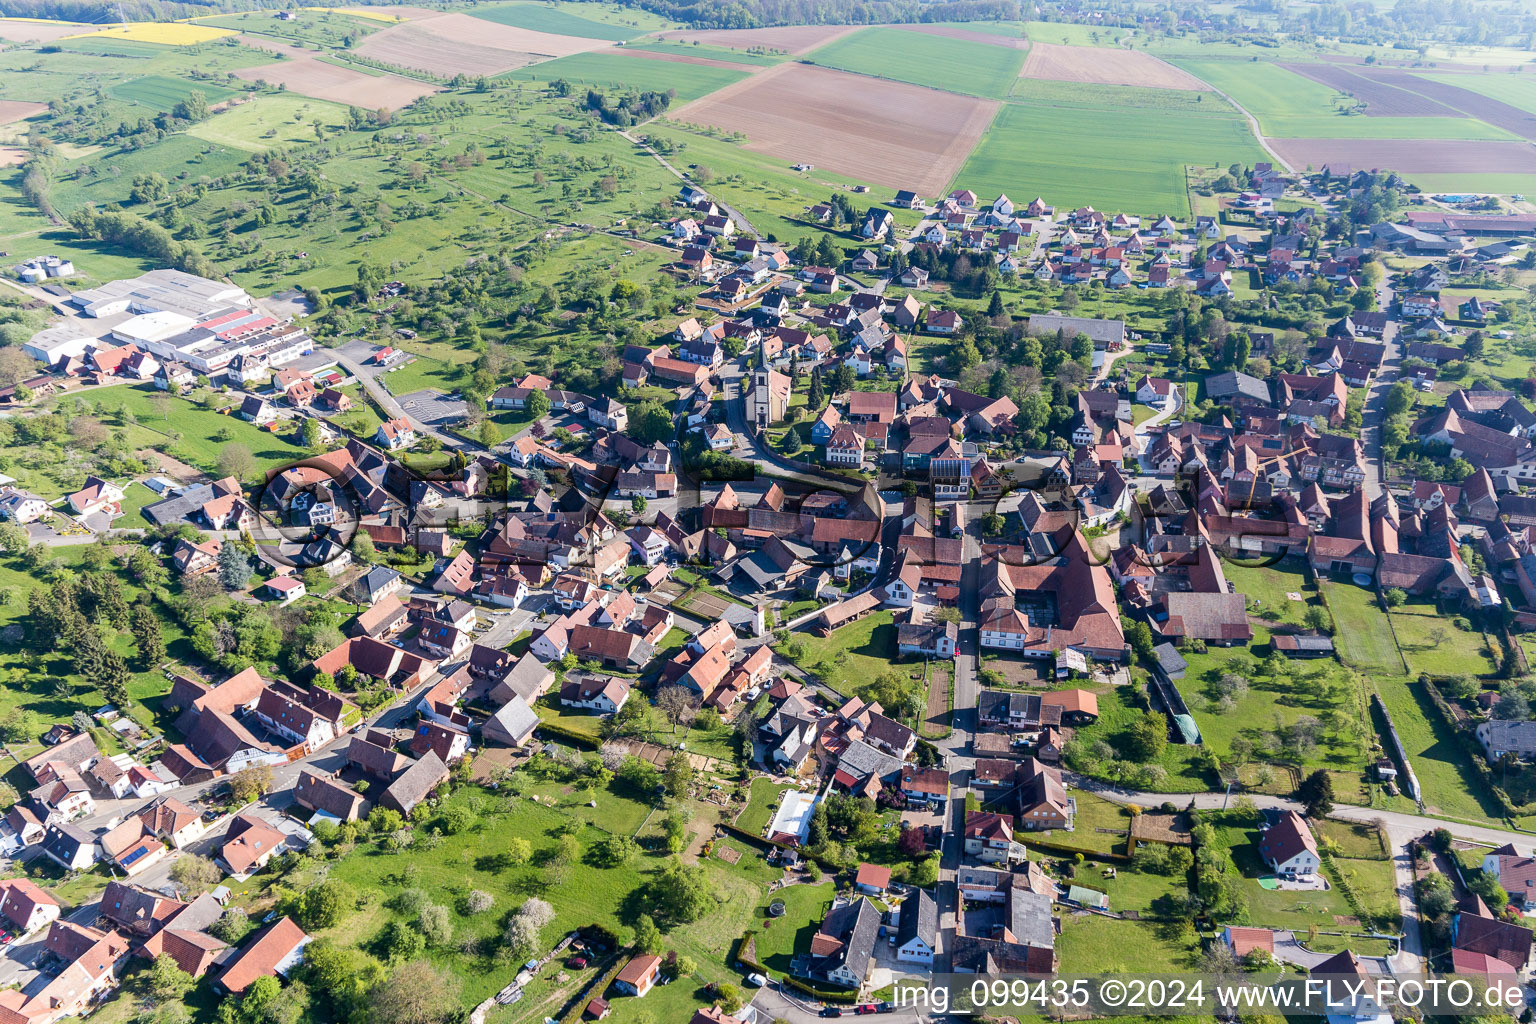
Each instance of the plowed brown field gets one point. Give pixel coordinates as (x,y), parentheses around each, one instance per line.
(795,39)
(457,43)
(899,135)
(304,74)
(1412,156)
(1102,65)
(18,31)
(1381,98)
(12,111)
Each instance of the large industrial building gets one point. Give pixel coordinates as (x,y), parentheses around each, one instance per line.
(212,327)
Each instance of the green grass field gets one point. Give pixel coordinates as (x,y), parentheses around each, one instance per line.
(601,69)
(852,655)
(160,92)
(1267,588)
(1104,154)
(559,21)
(683,48)
(1451,786)
(1518,90)
(1289,105)
(1432,643)
(955,65)
(1116,716)
(1066,34)
(1102,945)
(1361,630)
(270,121)
(779,939)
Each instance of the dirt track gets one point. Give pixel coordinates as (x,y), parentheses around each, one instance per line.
(1410,156)
(891,133)
(1100,65)
(795,39)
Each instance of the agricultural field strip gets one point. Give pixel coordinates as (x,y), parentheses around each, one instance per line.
(1381,98)
(784,111)
(937,62)
(1103,66)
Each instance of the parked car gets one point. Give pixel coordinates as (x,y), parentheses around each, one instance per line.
(576,962)
(831,1011)
(756,980)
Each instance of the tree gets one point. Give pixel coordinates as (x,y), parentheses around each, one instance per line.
(537,405)
(1395,597)
(234,567)
(678,775)
(320,906)
(363,549)
(612,851)
(1316,792)
(649,422)
(1434,895)
(147,638)
(677,703)
(252,784)
(1316,619)
(436,925)
(235,460)
(1148,736)
(843,379)
(681,893)
(815,397)
(165,981)
(194,871)
(647,935)
(194,107)
(232,926)
(416,993)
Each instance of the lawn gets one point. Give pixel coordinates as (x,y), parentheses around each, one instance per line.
(851,656)
(1353,840)
(1090,944)
(270,121)
(581,894)
(779,939)
(161,92)
(1093,813)
(1451,786)
(1266,588)
(1372,880)
(557,20)
(188,431)
(1361,629)
(1116,716)
(1331,696)
(761,805)
(602,69)
(1433,643)
(1067,34)
(1289,105)
(939,62)
(1130,889)
(1105,154)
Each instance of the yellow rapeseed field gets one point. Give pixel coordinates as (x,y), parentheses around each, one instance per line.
(167,33)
